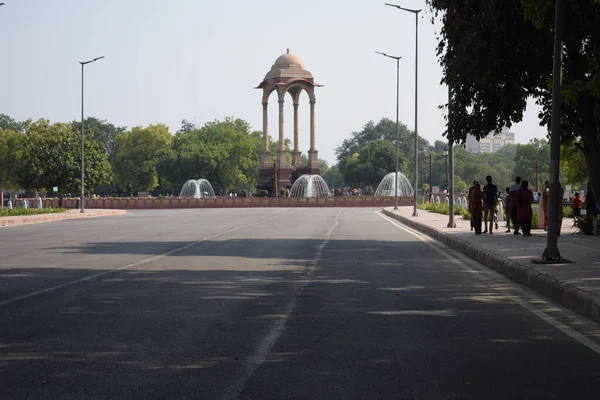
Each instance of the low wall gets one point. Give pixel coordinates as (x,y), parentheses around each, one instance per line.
(148,203)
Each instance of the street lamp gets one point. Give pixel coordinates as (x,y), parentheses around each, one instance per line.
(446,158)
(82,197)
(397,123)
(416,12)
(551,253)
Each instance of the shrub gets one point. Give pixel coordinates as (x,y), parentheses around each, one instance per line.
(5,212)
(584,225)
(282,193)
(568,211)
(466,214)
(263,193)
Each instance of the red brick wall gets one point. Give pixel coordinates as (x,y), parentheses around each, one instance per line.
(141,203)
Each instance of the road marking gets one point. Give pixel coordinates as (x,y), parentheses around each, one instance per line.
(135,264)
(266,344)
(469,264)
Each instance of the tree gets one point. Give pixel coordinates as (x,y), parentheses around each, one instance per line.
(52,157)
(9,124)
(333,177)
(368,167)
(227,153)
(385,130)
(573,166)
(498,53)
(531,161)
(11,155)
(100,131)
(138,155)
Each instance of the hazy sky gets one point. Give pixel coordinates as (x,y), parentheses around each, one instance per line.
(200,60)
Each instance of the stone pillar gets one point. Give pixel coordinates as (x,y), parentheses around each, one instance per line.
(313,157)
(266,153)
(297,155)
(281,156)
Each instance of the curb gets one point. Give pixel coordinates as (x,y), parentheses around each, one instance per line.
(41,218)
(582,301)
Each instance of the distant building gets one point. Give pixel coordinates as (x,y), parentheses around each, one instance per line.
(491,143)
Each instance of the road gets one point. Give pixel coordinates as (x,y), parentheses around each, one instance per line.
(272,304)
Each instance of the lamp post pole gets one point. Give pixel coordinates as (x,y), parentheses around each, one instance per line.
(416,12)
(446,162)
(430,179)
(82,196)
(451,223)
(397,121)
(551,253)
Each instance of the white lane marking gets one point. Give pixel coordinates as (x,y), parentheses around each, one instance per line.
(265,345)
(135,264)
(488,279)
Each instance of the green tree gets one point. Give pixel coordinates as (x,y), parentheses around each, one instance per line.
(138,155)
(496,54)
(11,155)
(100,131)
(531,160)
(9,124)
(367,168)
(573,166)
(385,130)
(333,177)
(52,157)
(227,153)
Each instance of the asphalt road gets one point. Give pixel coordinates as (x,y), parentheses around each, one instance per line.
(270,304)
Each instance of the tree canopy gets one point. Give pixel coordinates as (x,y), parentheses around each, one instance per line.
(496,54)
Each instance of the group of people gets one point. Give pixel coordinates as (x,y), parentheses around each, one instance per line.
(483,205)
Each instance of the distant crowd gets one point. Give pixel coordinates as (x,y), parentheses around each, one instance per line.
(484,202)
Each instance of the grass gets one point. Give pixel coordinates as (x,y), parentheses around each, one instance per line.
(5,212)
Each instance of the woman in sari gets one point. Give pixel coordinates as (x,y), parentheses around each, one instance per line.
(524,210)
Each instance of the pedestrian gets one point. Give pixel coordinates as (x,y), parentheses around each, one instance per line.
(476,207)
(507,209)
(524,211)
(576,203)
(489,206)
(514,203)
(475,182)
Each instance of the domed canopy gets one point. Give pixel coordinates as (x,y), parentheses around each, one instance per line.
(287,61)
(287,69)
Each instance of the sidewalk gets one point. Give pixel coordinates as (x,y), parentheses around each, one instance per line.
(576,285)
(70,214)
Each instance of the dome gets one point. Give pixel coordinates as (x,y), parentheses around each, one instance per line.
(288,60)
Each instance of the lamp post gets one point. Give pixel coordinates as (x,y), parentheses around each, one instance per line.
(446,159)
(430,178)
(416,12)
(82,197)
(397,122)
(551,253)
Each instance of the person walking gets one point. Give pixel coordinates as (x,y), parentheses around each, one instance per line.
(475,182)
(545,200)
(507,209)
(490,192)
(476,207)
(514,203)
(576,203)
(524,211)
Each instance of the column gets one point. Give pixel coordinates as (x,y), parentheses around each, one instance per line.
(281,138)
(296,155)
(266,153)
(313,158)
(312,125)
(296,128)
(265,127)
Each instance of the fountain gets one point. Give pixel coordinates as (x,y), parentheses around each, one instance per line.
(310,186)
(197,189)
(387,187)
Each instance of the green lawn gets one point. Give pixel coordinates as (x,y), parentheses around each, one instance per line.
(5,212)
